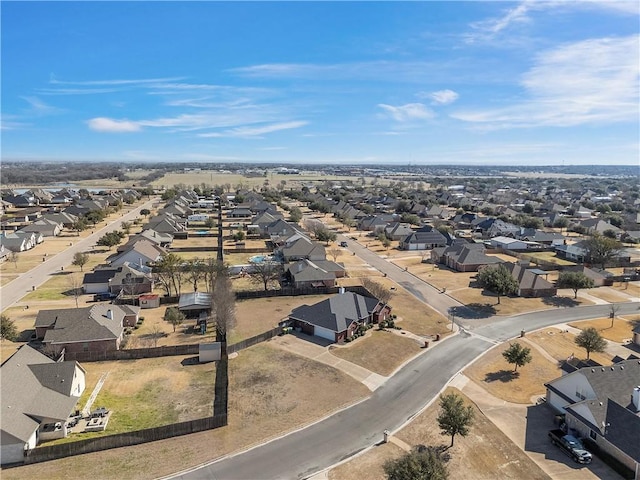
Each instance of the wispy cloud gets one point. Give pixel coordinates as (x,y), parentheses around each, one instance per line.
(594,81)
(255,131)
(139,81)
(441,97)
(109,125)
(38,107)
(488,29)
(12,122)
(408,112)
(74,91)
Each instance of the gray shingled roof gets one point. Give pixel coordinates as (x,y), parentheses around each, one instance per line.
(336,313)
(72,325)
(32,387)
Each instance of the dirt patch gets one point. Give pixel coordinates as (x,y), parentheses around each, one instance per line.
(486,453)
(494,374)
(379,351)
(621,331)
(305,389)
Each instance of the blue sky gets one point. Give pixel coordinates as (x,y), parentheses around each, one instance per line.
(509,83)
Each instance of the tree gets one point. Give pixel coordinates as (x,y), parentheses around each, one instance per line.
(454,418)
(334,252)
(575,281)
(145,212)
(8,328)
(418,464)
(591,341)
(13,258)
(174,316)
(326,235)
(239,236)
(601,250)
(224,303)
(517,354)
(80,225)
(379,291)
(111,239)
(75,287)
(561,222)
(613,311)
(126,227)
(168,272)
(498,280)
(194,270)
(264,273)
(210,222)
(295,215)
(80,259)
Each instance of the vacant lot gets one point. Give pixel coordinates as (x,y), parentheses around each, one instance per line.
(610,295)
(494,374)
(271,392)
(379,351)
(621,330)
(486,453)
(561,345)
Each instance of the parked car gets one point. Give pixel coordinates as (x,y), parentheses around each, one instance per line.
(344,244)
(100,297)
(571,445)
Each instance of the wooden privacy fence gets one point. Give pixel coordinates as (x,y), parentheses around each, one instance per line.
(293,292)
(236,347)
(134,353)
(43,454)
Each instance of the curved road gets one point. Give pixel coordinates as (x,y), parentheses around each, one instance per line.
(304,452)
(18,288)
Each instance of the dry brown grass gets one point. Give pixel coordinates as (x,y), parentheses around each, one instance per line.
(628,288)
(560,345)
(379,351)
(494,374)
(609,294)
(486,453)
(265,400)
(622,329)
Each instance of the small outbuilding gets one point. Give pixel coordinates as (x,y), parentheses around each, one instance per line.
(194,303)
(149,301)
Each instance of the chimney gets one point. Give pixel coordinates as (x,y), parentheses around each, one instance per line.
(341,290)
(109,314)
(635,397)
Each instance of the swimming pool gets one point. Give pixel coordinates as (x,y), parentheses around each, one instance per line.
(261,259)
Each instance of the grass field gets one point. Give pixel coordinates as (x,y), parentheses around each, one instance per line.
(494,374)
(561,345)
(621,331)
(379,351)
(486,453)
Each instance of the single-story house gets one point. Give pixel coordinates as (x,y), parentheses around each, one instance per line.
(143,252)
(508,243)
(600,277)
(319,273)
(463,257)
(48,228)
(337,318)
(530,281)
(602,404)
(98,328)
(302,248)
(423,241)
(38,395)
(240,213)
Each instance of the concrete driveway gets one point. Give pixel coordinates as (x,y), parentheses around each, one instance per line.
(317,349)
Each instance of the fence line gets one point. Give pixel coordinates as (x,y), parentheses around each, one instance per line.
(52,452)
(134,353)
(249,342)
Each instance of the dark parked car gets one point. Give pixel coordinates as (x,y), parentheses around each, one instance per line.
(100,297)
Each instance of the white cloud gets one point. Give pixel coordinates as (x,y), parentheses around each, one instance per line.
(74,91)
(255,131)
(39,107)
(408,112)
(139,81)
(593,81)
(441,97)
(101,124)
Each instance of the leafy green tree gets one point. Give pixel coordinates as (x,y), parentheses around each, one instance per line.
(591,341)
(326,235)
(454,418)
(8,328)
(126,227)
(175,317)
(575,281)
(80,225)
(95,216)
(601,249)
(517,354)
(498,280)
(80,259)
(427,464)
(210,222)
(239,236)
(295,215)
(145,212)
(111,239)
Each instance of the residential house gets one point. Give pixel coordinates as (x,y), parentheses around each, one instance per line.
(574,252)
(397,231)
(319,273)
(596,225)
(302,248)
(162,240)
(38,395)
(602,404)
(423,240)
(240,212)
(65,219)
(544,238)
(337,318)
(19,241)
(531,282)
(372,222)
(463,256)
(99,280)
(98,328)
(143,252)
(601,278)
(48,228)
(131,279)
(508,243)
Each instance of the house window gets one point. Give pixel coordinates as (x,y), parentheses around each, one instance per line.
(579,394)
(85,347)
(592,434)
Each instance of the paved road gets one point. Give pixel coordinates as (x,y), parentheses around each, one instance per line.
(18,288)
(312,449)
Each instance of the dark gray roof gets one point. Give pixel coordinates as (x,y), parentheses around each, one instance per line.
(33,388)
(433,237)
(336,313)
(102,275)
(81,324)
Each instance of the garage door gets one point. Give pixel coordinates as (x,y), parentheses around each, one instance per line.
(325,333)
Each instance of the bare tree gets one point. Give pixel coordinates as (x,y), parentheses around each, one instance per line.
(13,257)
(156,334)
(224,304)
(379,291)
(613,311)
(334,252)
(194,271)
(80,259)
(75,287)
(265,273)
